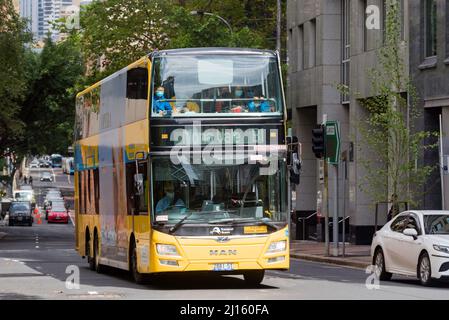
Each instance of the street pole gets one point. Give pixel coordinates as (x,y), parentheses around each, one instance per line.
(335,213)
(326,216)
(441,165)
(344,201)
(202,13)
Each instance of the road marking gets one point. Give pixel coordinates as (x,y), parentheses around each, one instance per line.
(92,292)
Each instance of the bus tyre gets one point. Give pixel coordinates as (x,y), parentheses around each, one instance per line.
(137,276)
(254,277)
(90,260)
(98,267)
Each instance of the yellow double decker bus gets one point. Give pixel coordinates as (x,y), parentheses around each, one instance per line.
(180,165)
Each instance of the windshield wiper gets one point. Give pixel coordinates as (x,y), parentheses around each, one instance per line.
(229,220)
(180,222)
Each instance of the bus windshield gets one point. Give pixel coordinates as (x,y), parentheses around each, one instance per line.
(215,193)
(216,85)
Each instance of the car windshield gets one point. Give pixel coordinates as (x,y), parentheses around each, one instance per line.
(436,224)
(216,85)
(215,193)
(19,207)
(23,195)
(57,207)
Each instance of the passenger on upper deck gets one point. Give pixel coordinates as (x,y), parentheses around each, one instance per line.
(160,105)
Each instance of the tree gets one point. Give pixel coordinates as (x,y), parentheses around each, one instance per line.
(48,110)
(112,28)
(117,32)
(390,140)
(13,85)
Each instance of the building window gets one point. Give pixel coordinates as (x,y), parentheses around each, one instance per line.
(346,48)
(312,43)
(447,31)
(430,28)
(300,49)
(363,17)
(291,51)
(383,26)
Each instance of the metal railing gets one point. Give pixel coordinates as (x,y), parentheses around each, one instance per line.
(304,220)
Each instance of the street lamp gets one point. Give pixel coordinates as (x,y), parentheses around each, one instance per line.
(202,13)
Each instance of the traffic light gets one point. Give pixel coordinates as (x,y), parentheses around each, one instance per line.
(295,168)
(318,141)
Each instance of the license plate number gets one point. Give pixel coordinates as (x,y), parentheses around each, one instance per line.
(19,218)
(223,267)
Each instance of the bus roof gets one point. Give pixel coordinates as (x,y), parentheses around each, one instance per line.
(215,50)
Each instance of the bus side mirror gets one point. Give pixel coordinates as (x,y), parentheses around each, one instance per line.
(138,184)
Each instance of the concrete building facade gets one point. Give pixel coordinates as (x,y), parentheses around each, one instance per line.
(328,45)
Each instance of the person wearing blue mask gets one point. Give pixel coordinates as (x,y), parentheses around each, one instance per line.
(160,106)
(264,105)
(251,105)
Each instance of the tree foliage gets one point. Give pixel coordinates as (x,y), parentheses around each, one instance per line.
(48,110)
(13,84)
(115,33)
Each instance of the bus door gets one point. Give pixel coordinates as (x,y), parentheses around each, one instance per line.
(138,195)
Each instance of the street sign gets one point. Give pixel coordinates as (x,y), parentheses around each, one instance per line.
(332,142)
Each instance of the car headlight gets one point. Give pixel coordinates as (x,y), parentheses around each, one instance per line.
(166,249)
(277,246)
(441,248)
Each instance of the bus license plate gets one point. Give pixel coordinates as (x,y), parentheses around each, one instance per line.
(223,267)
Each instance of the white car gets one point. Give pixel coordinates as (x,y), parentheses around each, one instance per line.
(34,164)
(414,243)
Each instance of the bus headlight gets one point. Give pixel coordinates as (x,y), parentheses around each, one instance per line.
(166,249)
(277,246)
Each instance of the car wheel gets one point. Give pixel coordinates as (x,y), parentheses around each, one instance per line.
(254,277)
(379,266)
(137,276)
(425,270)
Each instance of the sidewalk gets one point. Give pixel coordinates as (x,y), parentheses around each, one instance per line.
(355,255)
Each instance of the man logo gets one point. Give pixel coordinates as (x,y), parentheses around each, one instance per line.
(222,239)
(222,252)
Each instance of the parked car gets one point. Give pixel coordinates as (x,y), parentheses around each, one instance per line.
(20,212)
(414,243)
(58,213)
(46,176)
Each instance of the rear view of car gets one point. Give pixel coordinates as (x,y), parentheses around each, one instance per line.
(58,214)
(46,176)
(20,213)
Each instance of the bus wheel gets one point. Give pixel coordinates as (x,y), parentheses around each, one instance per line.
(254,277)
(98,267)
(90,260)
(137,276)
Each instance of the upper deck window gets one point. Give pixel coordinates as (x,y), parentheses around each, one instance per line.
(215,85)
